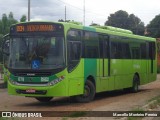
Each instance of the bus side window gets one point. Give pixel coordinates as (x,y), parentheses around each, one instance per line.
(74,51)
(126,51)
(143,51)
(116,50)
(152,50)
(135,53)
(90,45)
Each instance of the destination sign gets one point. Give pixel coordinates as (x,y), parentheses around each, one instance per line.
(35,28)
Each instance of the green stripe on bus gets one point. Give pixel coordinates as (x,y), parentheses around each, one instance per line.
(90,68)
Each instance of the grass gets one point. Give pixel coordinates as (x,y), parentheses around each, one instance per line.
(5,118)
(151,106)
(156,103)
(136,110)
(78,114)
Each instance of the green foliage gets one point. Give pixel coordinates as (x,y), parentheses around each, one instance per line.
(23,18)
(5,23)
(123,20)
(94,24)
(158,69)
(118,19)
(153,28)
(1,55)
(78,114)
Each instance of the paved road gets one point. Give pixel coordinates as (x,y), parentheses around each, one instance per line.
(108,101)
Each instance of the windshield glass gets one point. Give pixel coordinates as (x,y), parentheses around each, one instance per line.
(37,53)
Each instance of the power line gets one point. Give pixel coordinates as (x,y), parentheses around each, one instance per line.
(80,8)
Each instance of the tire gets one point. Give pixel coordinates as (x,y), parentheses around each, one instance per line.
(135,87)
(44,99)
(89,93)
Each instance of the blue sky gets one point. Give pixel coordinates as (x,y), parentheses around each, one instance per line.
(97,11)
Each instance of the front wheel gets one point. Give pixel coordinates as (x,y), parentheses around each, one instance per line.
(44,99)
(89,93)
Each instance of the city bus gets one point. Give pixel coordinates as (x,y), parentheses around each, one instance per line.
(55,59)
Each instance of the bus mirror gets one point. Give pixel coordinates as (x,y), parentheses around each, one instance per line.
(5,46)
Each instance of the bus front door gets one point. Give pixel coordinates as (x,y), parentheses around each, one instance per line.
(104,62)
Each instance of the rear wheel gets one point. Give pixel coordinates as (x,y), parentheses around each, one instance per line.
(135,87)
(44,99)
(89,93)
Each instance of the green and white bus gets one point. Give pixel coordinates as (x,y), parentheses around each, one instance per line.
(51,59)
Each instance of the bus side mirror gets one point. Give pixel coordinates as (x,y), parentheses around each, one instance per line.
(5,46)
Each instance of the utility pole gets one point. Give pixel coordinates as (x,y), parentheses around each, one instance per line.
(65,14)
(28,10)
(84,13)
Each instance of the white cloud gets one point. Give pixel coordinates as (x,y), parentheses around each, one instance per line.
(96,10)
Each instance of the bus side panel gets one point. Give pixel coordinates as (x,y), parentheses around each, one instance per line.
(152,74)
(143,74)
(123,72)
(90,69)
(116,71)
(104,81)
(76,79)
(127,71)
(100,82)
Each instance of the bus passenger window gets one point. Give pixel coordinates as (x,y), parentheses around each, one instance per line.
(74,51)
(91,45)
(74,48)
(135,53)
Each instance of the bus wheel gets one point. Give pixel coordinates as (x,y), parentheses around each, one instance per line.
(44,99)
(135,87)
(89,93)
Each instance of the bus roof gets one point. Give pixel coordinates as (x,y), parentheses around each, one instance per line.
(108,30)
(101,29)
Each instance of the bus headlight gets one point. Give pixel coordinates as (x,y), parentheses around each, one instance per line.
(55,81)
(13,82)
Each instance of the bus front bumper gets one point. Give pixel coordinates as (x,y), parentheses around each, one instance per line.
(38,91)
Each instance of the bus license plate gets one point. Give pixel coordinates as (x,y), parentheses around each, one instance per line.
(30,91)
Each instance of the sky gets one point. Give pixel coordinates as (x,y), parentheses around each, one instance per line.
(96,11)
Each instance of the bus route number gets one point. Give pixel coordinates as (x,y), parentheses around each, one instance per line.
(20,28)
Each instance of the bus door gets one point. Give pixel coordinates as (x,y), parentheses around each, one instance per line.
(104,61)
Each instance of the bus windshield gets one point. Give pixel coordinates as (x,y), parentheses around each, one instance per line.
(38,52)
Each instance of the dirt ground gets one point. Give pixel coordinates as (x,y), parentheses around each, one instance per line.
(108,101)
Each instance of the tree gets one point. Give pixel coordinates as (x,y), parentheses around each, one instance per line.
(94,24)
(123,20)
(23,18)
(11,19)
(153,28)
(118,19)
(61,20)
(135,24)
(5,24)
